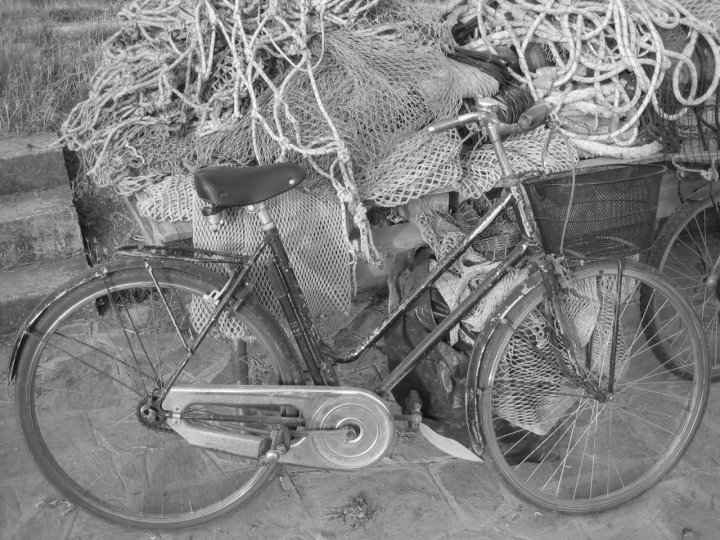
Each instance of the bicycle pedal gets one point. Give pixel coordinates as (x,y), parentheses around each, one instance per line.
(412,421)
(413,406)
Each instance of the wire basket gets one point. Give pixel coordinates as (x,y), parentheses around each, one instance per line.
(609,211)
(693,139)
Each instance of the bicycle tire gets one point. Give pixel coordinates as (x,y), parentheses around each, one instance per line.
(685,251)
(94,356)
(551,441)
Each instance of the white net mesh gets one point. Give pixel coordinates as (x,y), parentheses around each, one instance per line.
(168,200)
(529,360)
(539,149)
(311,226)
(227,325)
(705,10)
(416,166)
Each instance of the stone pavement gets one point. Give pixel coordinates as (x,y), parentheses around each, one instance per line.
(419,493)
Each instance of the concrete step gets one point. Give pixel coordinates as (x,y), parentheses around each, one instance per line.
(38,225)
(23,287)
(26,164)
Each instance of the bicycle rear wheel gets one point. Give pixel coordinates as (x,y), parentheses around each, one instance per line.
(564,438)
(685,251)
(94,358)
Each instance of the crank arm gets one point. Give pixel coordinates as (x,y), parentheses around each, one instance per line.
(348,428)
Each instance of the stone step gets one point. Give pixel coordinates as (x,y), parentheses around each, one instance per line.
(23,287)
(38,225)
(26,164)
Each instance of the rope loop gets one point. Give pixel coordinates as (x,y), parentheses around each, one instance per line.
(620,44)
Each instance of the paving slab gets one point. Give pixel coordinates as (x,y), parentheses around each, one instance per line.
(402,500)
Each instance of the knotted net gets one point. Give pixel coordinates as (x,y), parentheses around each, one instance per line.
(342,86)
(537,150)
(528,361)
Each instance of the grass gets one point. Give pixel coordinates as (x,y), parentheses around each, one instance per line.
(49,49)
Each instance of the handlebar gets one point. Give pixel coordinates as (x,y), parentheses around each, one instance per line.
(535,116)
(455,121)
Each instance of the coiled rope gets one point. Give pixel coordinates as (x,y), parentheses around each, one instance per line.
(608,57)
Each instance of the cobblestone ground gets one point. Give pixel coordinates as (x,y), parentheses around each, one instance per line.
(419,493)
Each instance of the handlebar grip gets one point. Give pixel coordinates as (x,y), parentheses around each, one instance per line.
(535,116)
(444,124)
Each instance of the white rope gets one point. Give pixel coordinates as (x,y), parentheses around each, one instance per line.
(598,48)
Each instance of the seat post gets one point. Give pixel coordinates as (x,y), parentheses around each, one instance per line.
(283,279)
(266,220)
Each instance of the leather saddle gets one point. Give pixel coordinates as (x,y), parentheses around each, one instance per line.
(228,187)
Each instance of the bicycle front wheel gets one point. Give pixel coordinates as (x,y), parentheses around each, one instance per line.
(685,251)
(588,427)
(94,359)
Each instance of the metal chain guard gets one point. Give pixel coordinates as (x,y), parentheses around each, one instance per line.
(323,408)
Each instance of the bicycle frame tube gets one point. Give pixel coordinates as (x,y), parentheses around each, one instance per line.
(501,204)
(409,362)
(288,292)
(223,298)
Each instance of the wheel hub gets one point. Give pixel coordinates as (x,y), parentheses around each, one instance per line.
(151,415)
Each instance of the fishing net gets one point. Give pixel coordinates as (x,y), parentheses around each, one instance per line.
(705,10)
(529,359)
(316,249)
(227,326)
(168,200)
(343,87)
(333,83)
(416,166)
(316,246)
(540,149)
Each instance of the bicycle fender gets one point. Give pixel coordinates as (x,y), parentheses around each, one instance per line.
(478,352)
(94,273)
(704,192)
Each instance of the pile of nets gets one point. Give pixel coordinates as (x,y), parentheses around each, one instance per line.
(346,87)
(342,86)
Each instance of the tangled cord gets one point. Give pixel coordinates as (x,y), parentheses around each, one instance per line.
(608,60)
(177,63)
(334,84)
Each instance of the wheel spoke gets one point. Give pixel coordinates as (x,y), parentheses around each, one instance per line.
(595,448)
(80,395)
(685,252)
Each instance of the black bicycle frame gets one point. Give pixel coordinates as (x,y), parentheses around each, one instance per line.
(318,358)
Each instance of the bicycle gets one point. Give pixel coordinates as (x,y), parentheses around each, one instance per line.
(155,392)
(687,247)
